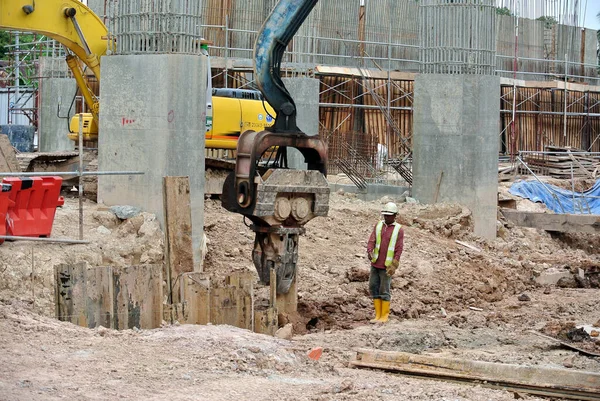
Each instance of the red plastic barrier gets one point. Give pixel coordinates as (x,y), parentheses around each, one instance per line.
(4,202)
(33,205)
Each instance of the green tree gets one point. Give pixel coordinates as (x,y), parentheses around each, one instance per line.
(4,40)
(548,21)
(503,11)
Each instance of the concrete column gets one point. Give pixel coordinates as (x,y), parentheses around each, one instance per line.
(153,119)
(305,92)
(456,126)
(56,94)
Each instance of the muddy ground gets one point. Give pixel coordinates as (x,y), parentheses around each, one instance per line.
(448,300)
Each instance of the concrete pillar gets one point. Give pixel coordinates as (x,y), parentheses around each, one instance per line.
(152,120)
(305,92)
(56,94)
(456,125)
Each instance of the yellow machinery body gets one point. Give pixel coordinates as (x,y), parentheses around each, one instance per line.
(232,116)
(90,127)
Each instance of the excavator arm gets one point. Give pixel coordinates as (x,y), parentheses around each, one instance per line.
(274,37)
(279,201)
(69,22)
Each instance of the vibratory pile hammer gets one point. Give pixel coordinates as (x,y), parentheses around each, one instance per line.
(277,200)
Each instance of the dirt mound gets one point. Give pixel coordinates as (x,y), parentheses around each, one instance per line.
(27,268)
(435,272)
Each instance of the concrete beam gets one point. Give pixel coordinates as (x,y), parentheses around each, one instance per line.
(574,223)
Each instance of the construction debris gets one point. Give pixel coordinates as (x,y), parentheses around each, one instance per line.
(562,162)
(577,223)
(533,380)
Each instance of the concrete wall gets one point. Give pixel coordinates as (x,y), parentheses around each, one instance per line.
(456,123)
(153,120)
(56,93)
(305,92)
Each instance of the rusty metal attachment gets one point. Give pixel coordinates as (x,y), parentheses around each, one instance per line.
(279,201)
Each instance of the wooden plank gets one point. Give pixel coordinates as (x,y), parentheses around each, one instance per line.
(178,232)
(100,297)
(174,313)
(71,293)
(585,223)
(288,303)
(265,321)
(535,380)
(138,297)
(244,283)
(223,305)
(8,156)
(195,293)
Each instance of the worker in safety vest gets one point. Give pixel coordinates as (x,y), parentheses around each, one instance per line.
(384,250)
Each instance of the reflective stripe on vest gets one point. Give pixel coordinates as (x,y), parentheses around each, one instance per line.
(390,251)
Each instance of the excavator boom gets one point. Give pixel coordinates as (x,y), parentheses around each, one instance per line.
(279,201)
(274,37)
(62,20)
(55,19)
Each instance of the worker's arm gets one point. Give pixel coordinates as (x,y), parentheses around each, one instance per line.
(399,245)
(371,244)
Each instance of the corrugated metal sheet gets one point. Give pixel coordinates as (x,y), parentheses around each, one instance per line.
(14,118)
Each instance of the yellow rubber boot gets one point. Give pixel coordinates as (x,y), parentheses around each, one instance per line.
(377,305)
(385,311)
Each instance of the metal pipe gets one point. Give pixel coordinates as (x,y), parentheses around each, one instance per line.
(551,113)
(74,173)
(41,239)
(80,189)
(565,94)
(554,153)
(545,60)
(363,106)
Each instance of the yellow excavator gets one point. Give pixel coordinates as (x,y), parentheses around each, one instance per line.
(86,38)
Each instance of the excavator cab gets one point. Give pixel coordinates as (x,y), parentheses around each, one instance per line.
(277,200)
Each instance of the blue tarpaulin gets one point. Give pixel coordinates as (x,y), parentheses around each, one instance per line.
(559,200)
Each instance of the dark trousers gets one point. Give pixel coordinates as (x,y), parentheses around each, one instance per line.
(379,284)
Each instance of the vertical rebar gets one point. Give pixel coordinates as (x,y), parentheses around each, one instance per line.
(80,178)
(565,93)
(226,48)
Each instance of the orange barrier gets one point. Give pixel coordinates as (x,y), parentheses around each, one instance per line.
(4,202)
(32,205)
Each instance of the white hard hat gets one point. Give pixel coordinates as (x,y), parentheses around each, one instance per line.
(390,208)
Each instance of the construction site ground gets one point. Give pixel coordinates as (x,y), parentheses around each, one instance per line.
(476,302)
